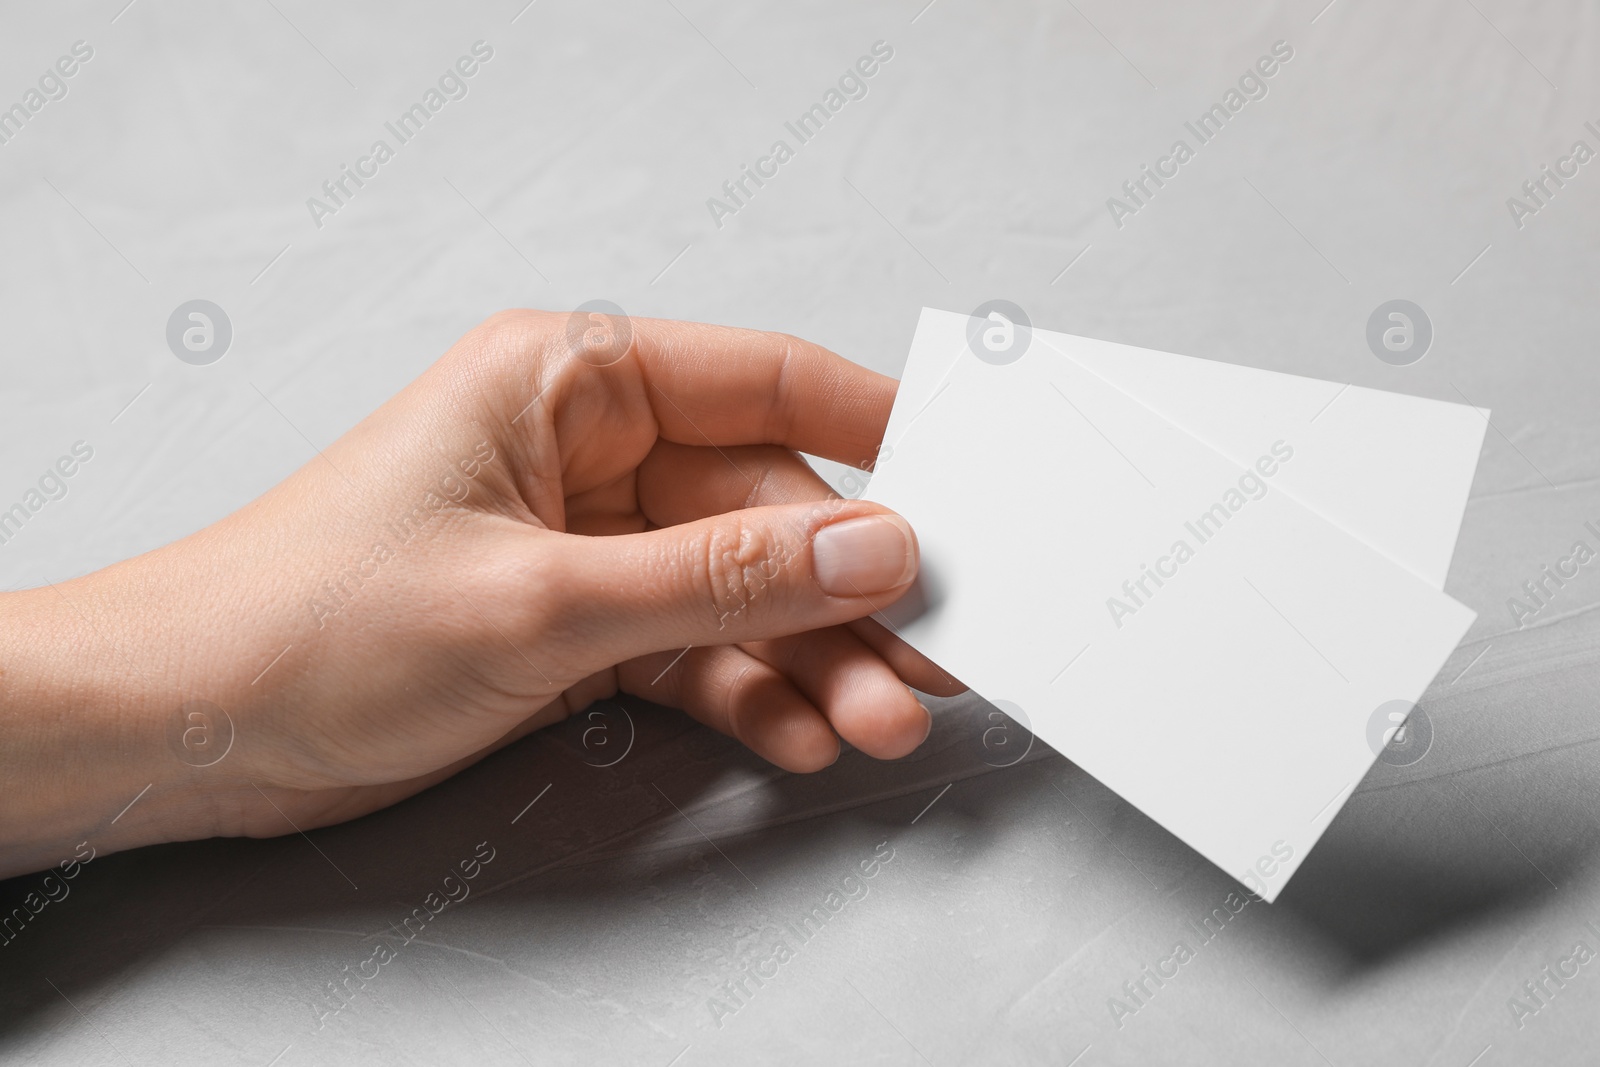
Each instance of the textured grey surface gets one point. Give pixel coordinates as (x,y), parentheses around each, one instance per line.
(978,165)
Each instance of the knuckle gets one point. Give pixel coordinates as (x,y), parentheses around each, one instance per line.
(540,604)
(793,352)
(515,355)
(741,565)
(738,695)
(512,603)
(505,331)
(505,340)
(514,322)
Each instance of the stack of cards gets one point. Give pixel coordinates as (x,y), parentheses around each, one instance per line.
(1204,584)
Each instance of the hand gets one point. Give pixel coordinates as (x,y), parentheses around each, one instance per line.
(530,526)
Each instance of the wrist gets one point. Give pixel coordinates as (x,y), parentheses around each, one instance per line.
(86,758)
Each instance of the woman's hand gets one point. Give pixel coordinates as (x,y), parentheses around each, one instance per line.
(557,510)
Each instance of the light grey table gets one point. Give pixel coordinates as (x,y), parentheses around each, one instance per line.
(631,914)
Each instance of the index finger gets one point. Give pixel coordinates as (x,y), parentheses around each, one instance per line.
(721,385)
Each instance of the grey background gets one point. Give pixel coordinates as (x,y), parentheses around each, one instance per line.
(978,166)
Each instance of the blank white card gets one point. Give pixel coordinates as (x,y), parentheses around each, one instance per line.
(1165,616)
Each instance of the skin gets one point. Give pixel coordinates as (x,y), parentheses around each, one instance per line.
(543,519)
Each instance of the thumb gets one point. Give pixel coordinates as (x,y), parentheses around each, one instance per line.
(747,575)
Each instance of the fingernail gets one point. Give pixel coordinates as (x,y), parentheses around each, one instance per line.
(929,732)
(860,557)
